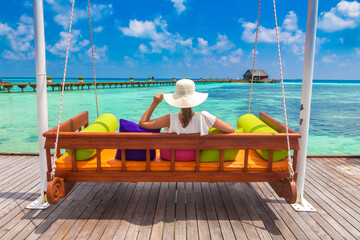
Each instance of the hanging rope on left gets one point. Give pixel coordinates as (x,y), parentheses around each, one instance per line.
(93,61)
(62,95)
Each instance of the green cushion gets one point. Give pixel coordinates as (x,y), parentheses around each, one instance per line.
(105,123)
(251,124)
(214,155)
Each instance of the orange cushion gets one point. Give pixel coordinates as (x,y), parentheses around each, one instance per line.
(109,163)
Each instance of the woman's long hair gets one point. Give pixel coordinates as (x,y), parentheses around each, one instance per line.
(186,115)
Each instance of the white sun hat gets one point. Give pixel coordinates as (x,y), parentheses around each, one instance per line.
(185,95)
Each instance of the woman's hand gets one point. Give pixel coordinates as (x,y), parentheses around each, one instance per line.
(158,98)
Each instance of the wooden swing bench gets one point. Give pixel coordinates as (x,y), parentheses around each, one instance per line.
(249,166)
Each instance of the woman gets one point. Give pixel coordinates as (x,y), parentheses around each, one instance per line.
(186,121)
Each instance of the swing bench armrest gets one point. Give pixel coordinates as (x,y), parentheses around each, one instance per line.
(73,124)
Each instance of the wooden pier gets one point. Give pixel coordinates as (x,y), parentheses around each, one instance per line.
(182,210)
(124,84)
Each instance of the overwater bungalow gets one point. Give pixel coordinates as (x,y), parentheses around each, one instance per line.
(259,75)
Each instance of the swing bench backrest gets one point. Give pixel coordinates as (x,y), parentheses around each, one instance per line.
(71,138)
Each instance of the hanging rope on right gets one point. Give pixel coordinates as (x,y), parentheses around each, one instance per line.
(290,160)
(253,68)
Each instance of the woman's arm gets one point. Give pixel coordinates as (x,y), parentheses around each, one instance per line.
(223,126)
(160,122)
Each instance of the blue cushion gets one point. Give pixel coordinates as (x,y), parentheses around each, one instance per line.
(136,155)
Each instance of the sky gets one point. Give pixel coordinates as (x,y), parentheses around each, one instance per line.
(180,38)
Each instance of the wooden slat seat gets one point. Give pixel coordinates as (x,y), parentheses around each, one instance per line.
(109,163)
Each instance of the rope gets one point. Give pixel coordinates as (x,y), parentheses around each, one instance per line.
(93,61)
(53,164)
(290,160)
(253,68)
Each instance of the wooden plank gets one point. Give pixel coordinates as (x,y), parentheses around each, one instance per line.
(191,224)
(331,168)
(114,222)
(15,215)
(350,198)
(148,160)
(336,212)
(29,220)
(18,170)
(203,227)
(147,221)
(221,162)
(252,198)
(197,160)
(123,160)
(61,222)
(242,213)
(109,211)
(255,218)
(98,159)
(73,159)
(180,224)
(222,216)
(53,230)
(17,183)
(270,162)
(297,225)
(17,197)
(129,212)
(158,224)
(172,169)
(215,231)
(95,210)
(134,227)
(169,225)
(337,198)
(246,160)
(331,179)
(235,221)
(279,222)
(334,224)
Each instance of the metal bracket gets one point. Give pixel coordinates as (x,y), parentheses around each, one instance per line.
(303,206)
(39,204)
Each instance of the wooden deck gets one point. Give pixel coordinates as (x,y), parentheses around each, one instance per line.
(182,210)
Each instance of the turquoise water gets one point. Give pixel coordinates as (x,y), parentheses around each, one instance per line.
(334,124)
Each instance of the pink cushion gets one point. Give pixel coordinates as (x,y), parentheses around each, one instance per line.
(180,155)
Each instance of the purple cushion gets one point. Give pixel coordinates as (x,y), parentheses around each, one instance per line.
(137,155)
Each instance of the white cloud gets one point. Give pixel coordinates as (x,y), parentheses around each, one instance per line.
(346,15)
(98,29)
(179,5)
(129,61)
(349,9)
(233,57)
(143,48)
(62,8)
(202,47)
(99,52)
(357,52)
(142,29)
(157,32)
(77,43)
(341,40)
(19,39)
(329,58)
(289,34)
(222,44)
